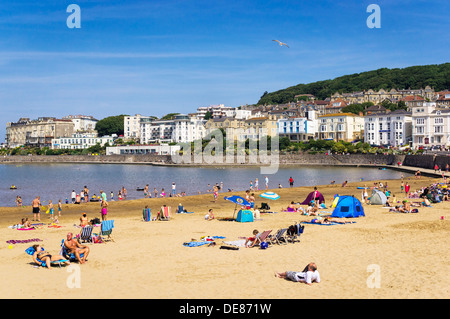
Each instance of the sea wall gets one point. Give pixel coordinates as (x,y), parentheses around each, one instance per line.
(113,159)
(427,161)
(283,159)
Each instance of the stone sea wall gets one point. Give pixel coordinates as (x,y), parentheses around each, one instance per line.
(305,159)
(419,161)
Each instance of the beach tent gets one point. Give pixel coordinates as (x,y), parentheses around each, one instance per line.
(348,207)
(335,201)
(377,198)
(244,216)
(311,196)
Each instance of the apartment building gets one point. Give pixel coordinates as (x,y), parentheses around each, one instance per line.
(37,133)
(156,131)
(81,141)
(431,126)
(388,128)
(341,126)
(82,123)
(299,128)
(188,128)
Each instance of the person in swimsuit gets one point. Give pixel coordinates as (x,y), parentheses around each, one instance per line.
(45,256)
(35,204)
(104,209)
(84,220)
(73,246)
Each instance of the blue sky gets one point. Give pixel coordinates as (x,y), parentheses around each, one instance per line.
(155,57)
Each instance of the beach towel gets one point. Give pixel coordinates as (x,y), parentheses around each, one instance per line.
(236,243)
(203,241)
(25,241)
(331,224)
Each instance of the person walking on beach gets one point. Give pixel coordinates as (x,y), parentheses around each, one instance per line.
(406,188)
(156,192)
(291,182)
(266,181)
(74,196)
(146,193)
(35,204)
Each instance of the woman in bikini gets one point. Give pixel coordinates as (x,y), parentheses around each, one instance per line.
(45,256)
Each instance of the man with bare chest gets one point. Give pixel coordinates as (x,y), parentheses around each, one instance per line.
(73,246)
(35,204)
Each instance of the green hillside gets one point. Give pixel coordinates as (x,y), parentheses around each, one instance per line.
(415,77)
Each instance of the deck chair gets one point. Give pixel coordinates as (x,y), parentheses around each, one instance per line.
(146,215)
(165,213)
(279,238)
(106,230)
(86,234)
(260,238)
(30,251)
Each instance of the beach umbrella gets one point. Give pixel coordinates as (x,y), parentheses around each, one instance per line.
(238,200)
(270,195)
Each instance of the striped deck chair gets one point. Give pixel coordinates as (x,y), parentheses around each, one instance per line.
(165,213)
(279,238)
(146,214)
(106,230)
(86,234)
(260,238)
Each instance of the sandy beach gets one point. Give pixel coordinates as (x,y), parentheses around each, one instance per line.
(148,259)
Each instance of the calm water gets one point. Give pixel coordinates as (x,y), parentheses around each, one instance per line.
(56,181)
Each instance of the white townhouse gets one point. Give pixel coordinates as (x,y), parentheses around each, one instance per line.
(132,126)
(81,141)
(431,126)
(187,128)
(299,128)
(156,131)
(388,128)
(346,127)
(217,111)
(82,123)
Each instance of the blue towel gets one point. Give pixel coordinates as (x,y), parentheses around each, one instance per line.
(107,225)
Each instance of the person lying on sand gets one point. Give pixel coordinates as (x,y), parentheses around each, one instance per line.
(307,276)
(328,221)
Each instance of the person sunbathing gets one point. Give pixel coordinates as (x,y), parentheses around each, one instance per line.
(312,210)
(45,256)
(73,246)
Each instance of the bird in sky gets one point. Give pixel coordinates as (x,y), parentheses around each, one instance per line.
(281,43)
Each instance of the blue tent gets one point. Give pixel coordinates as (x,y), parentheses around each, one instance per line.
(245,216)
(348,207)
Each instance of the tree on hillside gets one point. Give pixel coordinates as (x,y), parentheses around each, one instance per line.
(110,125)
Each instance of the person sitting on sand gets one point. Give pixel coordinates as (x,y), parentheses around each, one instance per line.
(307,276)
(73,246)
(251,239)
(291,207)
(405,208)
(45,256)
(312,210)
(209,215)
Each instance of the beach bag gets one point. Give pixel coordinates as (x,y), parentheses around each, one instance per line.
(292,230)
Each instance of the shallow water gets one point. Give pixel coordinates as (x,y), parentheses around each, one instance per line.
(56,181)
